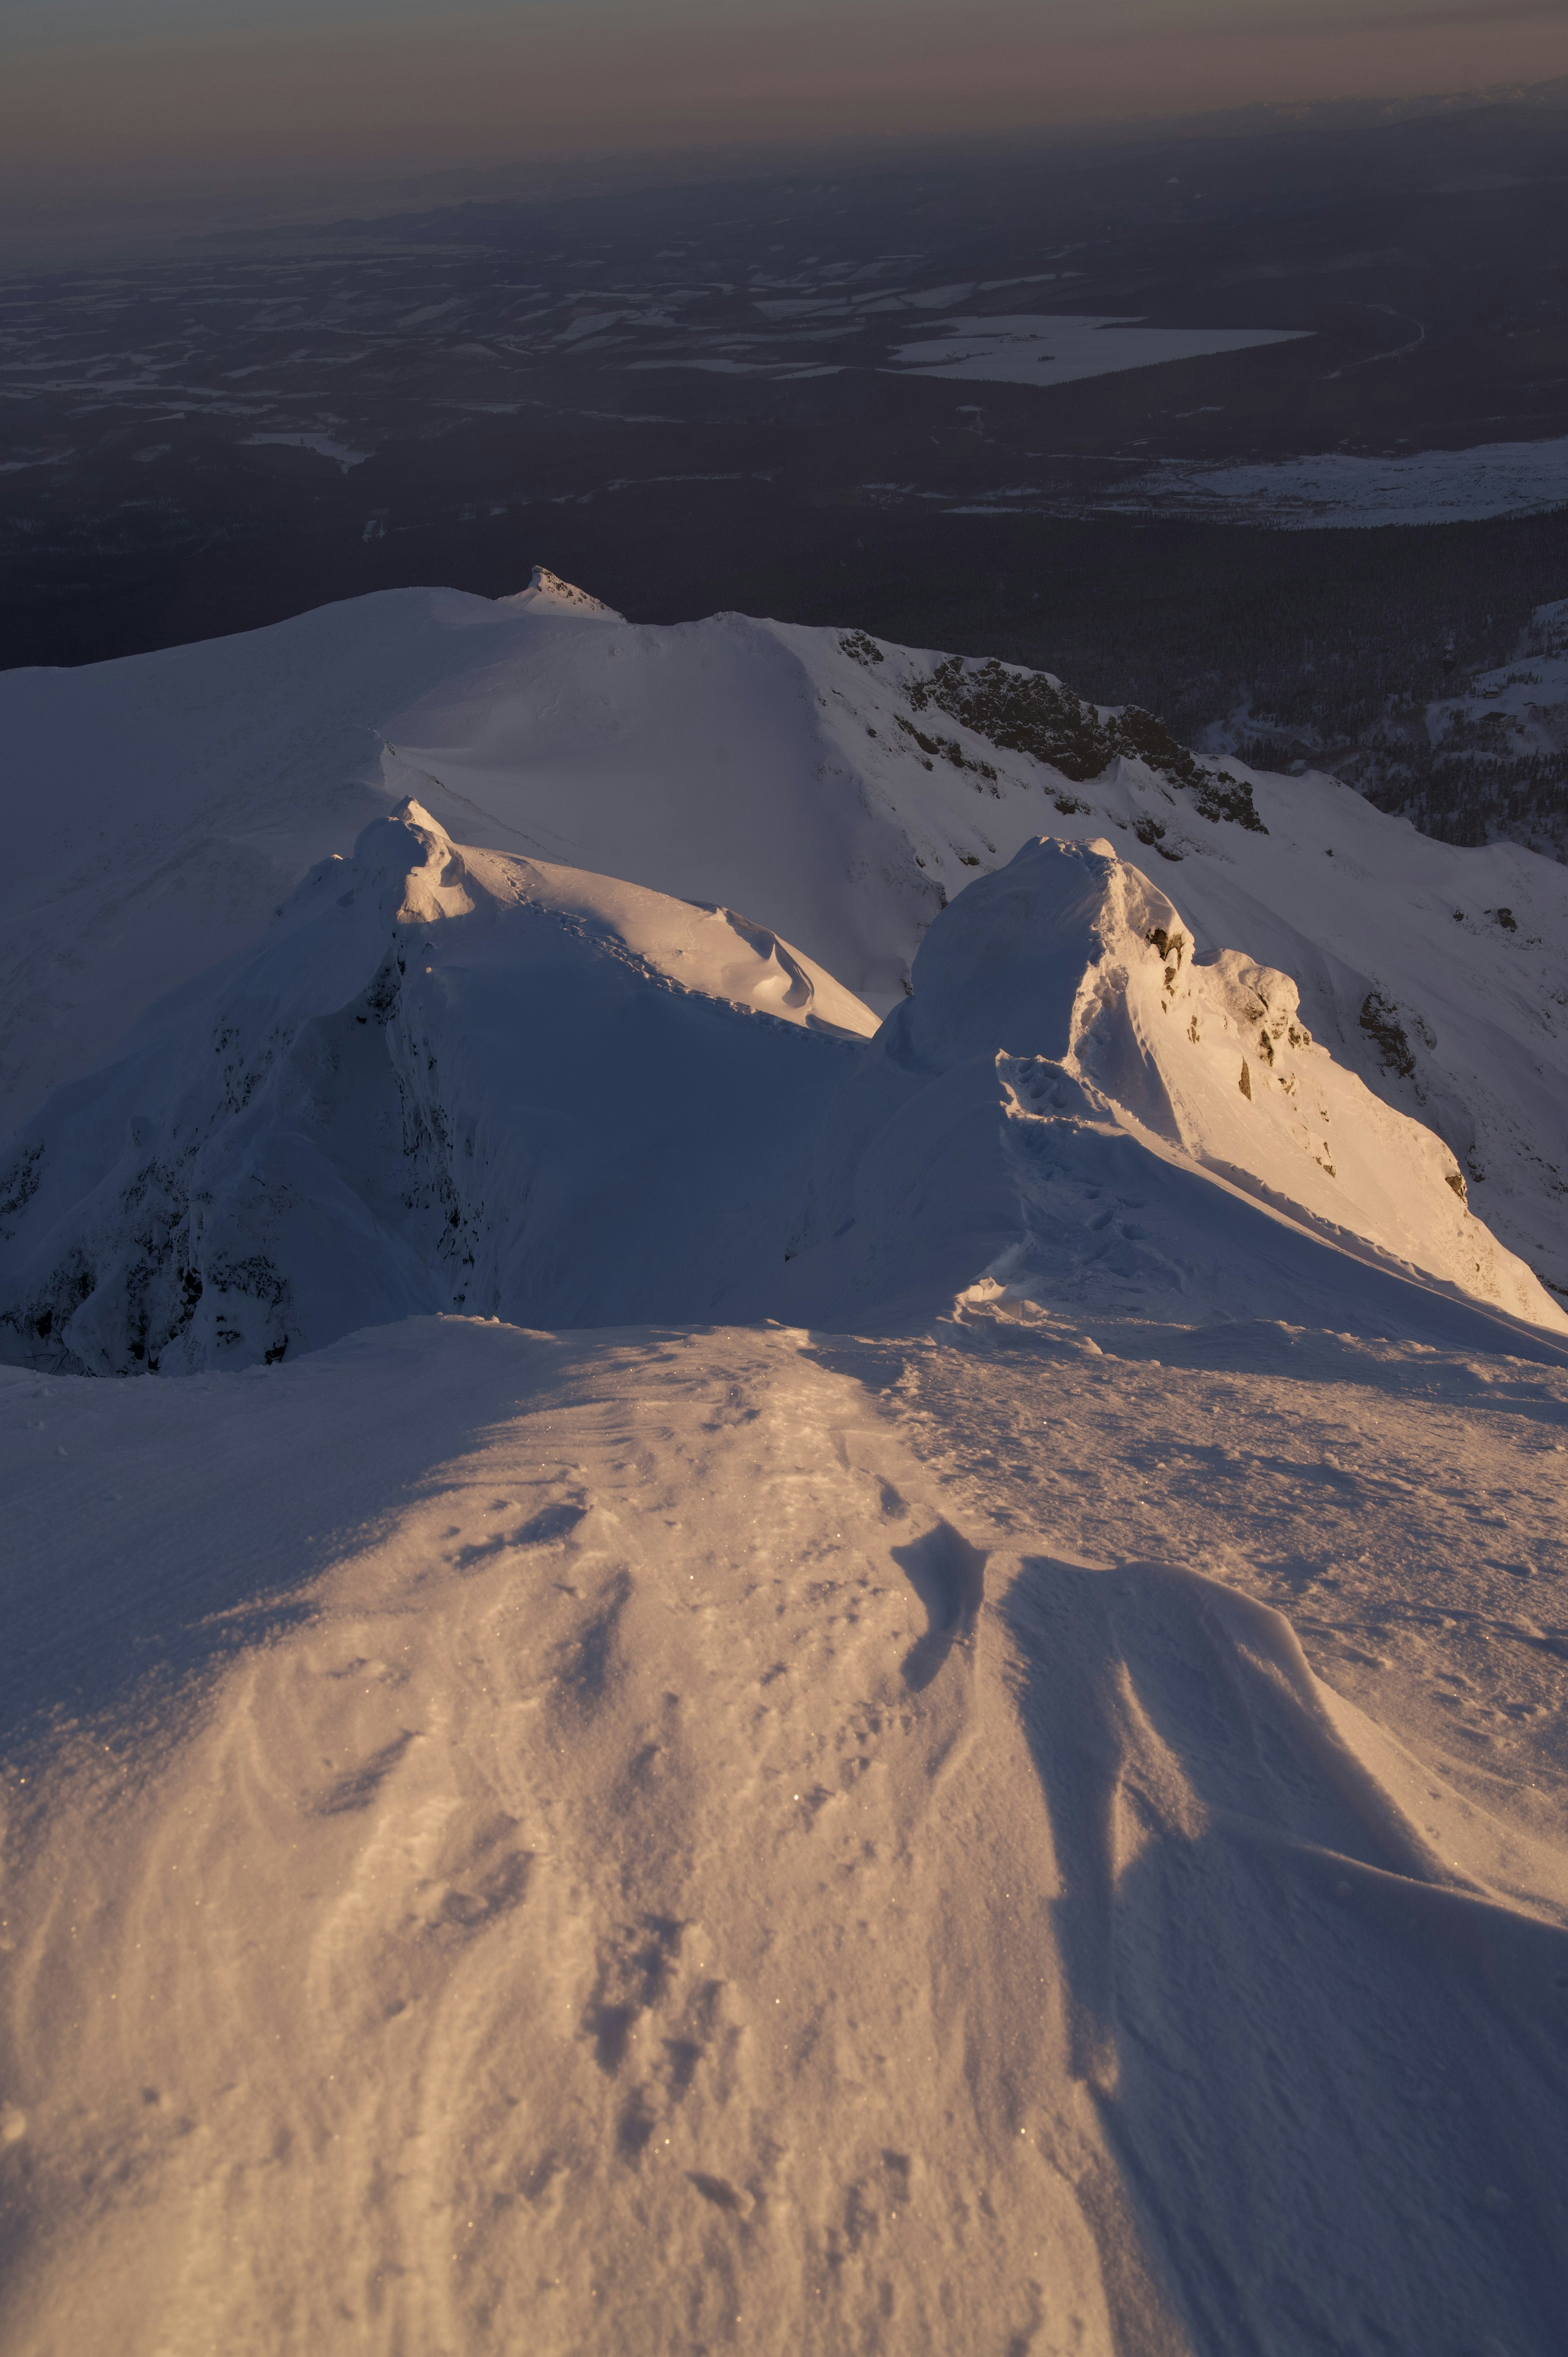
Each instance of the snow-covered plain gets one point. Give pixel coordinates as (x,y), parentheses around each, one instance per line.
(1340,490)
(758,1679)
(1065,348)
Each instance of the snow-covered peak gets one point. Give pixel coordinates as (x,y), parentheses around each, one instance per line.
(546,591)
(445,1079)
(412,860)
(1024,959)
(406,871)
(1071,1100)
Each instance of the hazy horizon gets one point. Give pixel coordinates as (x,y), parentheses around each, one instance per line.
(170,99)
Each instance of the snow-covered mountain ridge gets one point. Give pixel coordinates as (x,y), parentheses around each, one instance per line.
(836,792)
(444,1079)
(454,1080)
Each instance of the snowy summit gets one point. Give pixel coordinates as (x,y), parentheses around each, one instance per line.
(785,1427)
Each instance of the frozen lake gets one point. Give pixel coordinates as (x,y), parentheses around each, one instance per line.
(1042,349)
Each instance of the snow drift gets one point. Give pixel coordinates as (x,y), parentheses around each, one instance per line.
(624,1855)
(1073,1106)
(445,1080)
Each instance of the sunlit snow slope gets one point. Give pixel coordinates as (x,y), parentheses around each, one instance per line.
(832,789)
(1068,1105)
(659,1842)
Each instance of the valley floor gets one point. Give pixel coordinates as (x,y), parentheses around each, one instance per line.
(684,1839)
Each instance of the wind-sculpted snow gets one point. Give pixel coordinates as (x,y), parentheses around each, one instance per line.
(444,1079)
(1071,1105)
(616,1842)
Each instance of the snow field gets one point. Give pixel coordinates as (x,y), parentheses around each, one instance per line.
(701,1838)
(1285,2083)
(553,1931)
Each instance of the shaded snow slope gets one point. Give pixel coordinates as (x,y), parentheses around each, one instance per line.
(836,789)
(665,1841)
(1072,1104)
(444,1079)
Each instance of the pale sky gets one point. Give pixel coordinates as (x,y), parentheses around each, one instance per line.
(153,93)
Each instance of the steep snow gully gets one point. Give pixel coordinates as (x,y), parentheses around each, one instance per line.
(848,1632)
